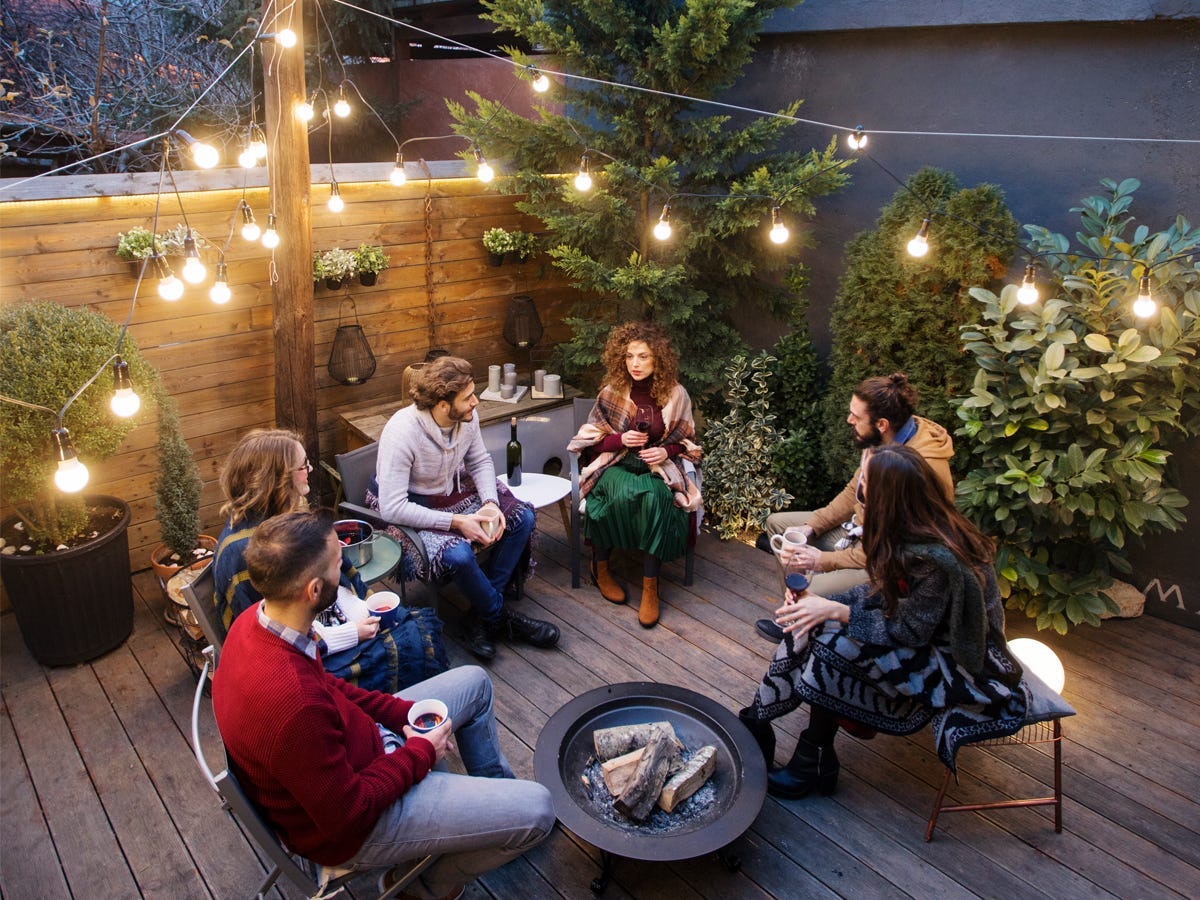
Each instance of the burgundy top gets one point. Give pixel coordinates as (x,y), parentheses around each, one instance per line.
(640,394)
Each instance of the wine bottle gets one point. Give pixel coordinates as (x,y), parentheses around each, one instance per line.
(514,456)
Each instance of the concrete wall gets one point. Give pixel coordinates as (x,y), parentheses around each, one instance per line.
(1112,78)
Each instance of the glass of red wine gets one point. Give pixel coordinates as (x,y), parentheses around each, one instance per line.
(642,420)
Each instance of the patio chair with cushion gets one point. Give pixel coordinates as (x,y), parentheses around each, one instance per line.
(313,880)
(201,598)
(583,408)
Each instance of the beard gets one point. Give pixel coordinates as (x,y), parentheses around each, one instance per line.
(866,441)
(455,416)
(329,592)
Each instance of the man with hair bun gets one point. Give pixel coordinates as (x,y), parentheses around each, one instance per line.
(882,411)
(435,475)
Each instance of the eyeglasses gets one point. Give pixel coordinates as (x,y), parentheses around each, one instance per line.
(305,466)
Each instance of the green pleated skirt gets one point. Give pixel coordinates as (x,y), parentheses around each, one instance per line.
(632,508)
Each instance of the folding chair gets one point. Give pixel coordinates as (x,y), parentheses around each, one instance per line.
(313,880)
(583,408)
(201,599)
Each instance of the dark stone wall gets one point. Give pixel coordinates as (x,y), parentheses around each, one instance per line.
(1118,79)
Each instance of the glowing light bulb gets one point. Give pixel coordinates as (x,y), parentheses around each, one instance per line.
(220,293)
(170,288)
(541,83)
(398,177)
(125,402)
(247,158)
(1041,660)
(1144,306)
(194,271)
(857,140)
(71,475)
(335,204)
(270,237)
(341,109)
(259,148)
(583,181)
(251,231)
(205,155)
(285,37)
(919,245)
(779,232)
(485,173)
(662,230)
(1027,293)
(305,111)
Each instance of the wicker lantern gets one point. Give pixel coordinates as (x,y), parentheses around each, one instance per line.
(350,358)
(522,327)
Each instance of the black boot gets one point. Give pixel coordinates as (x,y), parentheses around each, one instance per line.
(515,626)
(763,732)
(812,767)
(475,636)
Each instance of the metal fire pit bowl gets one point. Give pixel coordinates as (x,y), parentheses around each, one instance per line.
(739,779)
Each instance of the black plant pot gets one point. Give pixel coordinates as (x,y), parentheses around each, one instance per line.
(495,259)
(78,604)
(368,279)
(334,284)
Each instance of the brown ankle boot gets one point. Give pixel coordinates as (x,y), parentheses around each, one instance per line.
(610,589)
(648,613)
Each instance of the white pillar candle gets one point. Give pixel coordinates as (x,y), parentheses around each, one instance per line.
(493,378)
(553,385)
(539,376)
(507,390)
(510,367)
(510,378)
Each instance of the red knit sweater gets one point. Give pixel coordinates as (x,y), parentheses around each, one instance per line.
(304,744)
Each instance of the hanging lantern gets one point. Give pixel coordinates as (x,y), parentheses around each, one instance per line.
(522,327)
(350,358)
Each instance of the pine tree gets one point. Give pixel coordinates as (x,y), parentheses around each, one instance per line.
(644,148)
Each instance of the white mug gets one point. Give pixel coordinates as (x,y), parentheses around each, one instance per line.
(788,543)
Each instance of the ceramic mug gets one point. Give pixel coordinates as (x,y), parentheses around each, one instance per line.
(385,605)
(788,543)
(426,715)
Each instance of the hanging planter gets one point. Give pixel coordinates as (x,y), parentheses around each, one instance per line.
(334,284)
(495,259)
(369,261)
(350,358)
(335,267)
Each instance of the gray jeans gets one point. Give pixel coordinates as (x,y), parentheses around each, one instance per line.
(473,824)
(825,584)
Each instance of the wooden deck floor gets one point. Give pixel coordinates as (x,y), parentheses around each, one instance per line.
(101,797)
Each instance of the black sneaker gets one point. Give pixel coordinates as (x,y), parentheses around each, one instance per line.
(763,543)
(516,626)
(768,629)
(475,636)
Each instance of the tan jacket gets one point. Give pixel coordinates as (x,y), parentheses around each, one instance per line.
(933,442)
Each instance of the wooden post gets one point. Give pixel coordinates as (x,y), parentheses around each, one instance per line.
(289,175)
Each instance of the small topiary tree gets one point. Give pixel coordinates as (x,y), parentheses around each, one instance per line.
(739,487)
(1074,405)
(177,486)
(894,312)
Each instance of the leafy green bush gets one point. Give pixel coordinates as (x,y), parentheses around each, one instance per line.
(1074,405)
(896,313)
(739,488)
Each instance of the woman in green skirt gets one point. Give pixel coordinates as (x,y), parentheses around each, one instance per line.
(632,451)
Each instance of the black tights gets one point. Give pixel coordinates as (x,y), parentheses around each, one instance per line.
(650,564)
(822,726)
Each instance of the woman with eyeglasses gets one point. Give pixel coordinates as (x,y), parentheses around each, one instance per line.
(266,475)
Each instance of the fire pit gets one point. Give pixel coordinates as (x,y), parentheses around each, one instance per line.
(738,781)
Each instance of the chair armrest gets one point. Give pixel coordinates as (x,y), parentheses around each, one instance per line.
(370,515)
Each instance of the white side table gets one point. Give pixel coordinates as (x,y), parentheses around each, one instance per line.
(540,490)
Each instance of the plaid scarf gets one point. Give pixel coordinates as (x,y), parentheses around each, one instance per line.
(614,414)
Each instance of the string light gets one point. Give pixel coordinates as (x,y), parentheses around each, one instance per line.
(583,181)
(125,402)
(779,232)
(169,287)
(919,245)
(1027,293)
(484,172)
(203,155)
(341,109)
(398,177)
(270,237)
(305,111)
(662,230)
(250,229)
(72,475)
(857,140)
(336,204)
(220,293)
(194,271)
(541,82)
(286,38)
(1144,306)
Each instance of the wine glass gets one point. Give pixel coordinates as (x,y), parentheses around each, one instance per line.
(642,420)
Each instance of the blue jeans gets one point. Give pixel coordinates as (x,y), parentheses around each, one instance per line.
(485,590)
(473,823)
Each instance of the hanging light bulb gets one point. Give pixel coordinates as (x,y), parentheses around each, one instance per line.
(541,82)
(250,229)
(247,159)
(662,230)
(194,271)
(72,475)
(779,232)
(336,204)
(919,245)
(220,292)
(169,287)
(484,172)
(286,38)
(1027,293)
(125,402)
(203,155)
(583,181)
(270,237)
(305,111)
(1145,305)
(341,109)
(257,144)
(398,177)
(857,140)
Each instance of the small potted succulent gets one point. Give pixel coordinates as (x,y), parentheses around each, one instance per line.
(369,261)
(335,266)
(522,245)
(496,241)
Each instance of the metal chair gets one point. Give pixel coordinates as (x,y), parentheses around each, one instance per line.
(583,408)
(313,880)
(201,599)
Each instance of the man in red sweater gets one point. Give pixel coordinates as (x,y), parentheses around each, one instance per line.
(337,770)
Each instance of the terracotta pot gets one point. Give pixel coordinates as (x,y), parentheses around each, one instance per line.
(165,569)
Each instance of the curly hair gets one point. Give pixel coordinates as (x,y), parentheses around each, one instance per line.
(441,379)
(257,477)
(666,360)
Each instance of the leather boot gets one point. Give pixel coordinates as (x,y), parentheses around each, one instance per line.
(610,589)
(811,768)
(515,626)
(648,613)
(763,732)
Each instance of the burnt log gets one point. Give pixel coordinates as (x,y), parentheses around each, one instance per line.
(617,741)
(641,793)
(618,770)
(689,779)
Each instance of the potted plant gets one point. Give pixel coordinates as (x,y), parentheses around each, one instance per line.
(369,261)
(496,243)
(136,245)
(177,500)
(66,556)
(336,267)
(522,245)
